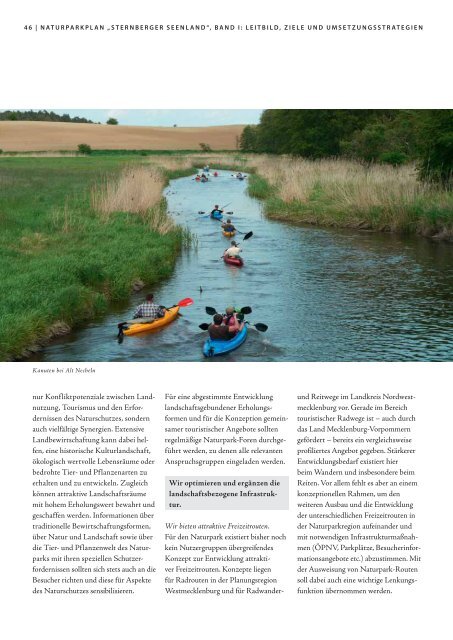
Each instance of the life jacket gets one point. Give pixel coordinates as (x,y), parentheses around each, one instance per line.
(227,320)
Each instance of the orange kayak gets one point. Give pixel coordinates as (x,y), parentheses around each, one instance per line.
(142,325)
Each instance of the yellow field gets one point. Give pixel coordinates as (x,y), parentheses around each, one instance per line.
(66,136)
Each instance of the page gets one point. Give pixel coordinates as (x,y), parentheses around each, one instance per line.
(226,320)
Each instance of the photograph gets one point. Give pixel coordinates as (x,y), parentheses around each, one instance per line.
(255,235)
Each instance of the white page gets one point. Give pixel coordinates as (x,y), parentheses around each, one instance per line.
(45,67)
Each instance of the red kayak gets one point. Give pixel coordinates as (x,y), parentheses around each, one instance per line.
(237,262)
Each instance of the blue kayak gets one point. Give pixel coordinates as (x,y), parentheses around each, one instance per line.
(217,215)
(219,347)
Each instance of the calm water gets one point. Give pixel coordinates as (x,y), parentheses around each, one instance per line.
(327,295)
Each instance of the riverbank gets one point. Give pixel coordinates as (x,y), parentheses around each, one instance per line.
(77,235)
(342,193)
(338,193)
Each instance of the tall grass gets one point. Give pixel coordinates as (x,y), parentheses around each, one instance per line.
(349,183)
(347,193)
(175,163)
(136,190)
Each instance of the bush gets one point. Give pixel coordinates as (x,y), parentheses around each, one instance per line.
(205,147)
(85,149)
(395,158)
(112,121)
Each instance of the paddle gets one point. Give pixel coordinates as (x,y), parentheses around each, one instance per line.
(228,213)
(185,302)
(246,235)
(259,326)
(211,311)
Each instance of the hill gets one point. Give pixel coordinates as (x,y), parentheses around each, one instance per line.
(63,136)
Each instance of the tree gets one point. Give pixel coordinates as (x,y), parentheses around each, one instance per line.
(41,115)
(367,144)
(248,139)
(112,121)
(314,133)
(436,141)
(85,149)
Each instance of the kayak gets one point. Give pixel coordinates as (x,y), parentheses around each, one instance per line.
(216,216)
(237,262)
(142,325)
(218,347)
(228,234)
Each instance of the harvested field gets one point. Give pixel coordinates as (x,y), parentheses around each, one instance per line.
(66,136)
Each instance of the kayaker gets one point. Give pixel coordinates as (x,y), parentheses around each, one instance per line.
(216,211)
(220,331)
(230,318)
(149,309)
(204,178)
(216,174)
(228,226)
(233,251)
(198,178)
(239,175)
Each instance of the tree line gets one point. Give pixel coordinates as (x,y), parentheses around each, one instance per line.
(393,136)
(41,116)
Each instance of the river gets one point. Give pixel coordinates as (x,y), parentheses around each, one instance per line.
(326,294)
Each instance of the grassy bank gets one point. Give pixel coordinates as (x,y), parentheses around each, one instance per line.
(344,193)
(77,233)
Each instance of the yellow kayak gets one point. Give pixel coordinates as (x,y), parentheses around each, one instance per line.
(229,234)
(141,325)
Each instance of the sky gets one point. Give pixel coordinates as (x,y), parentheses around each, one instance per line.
(169,117)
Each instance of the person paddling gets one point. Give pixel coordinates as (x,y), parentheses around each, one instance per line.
(233,251)
(228,226)
(220,331)
(216,212)
(149,309)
